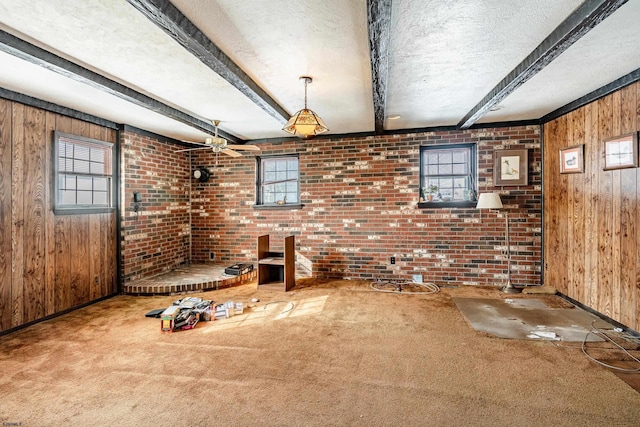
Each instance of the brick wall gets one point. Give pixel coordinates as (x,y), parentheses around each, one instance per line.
(156,239)
(360,196)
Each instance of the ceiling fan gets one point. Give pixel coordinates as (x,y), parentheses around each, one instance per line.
(220,145)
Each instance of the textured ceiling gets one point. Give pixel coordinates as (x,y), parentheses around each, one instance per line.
(442,62)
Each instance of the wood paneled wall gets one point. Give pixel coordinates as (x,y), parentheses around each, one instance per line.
(48,263)
(591,234)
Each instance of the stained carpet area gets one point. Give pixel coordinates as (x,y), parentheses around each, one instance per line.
(529,318)
(328,353)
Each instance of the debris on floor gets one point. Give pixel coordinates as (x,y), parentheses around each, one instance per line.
(545,289)
(185,314)
(238,269)
(228,309)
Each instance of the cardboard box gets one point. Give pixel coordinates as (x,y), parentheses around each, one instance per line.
(167,318)
(238,308)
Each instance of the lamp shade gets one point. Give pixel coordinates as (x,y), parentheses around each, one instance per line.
(305,124)
(489,201)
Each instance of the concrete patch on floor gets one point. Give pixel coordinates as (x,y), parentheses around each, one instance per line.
(528,318)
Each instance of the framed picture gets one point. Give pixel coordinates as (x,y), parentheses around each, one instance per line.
(511,167)
(572,159)
(621,152)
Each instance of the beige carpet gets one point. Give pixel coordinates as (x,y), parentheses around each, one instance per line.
(340,355)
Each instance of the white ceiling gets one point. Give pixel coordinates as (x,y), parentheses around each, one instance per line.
(444,58)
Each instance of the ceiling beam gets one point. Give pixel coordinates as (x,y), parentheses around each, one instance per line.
(580,22)
(379,20)
(35,55)
(605,90)
(55,108)
(166,16)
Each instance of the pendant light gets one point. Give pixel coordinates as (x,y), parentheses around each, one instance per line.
(305,123)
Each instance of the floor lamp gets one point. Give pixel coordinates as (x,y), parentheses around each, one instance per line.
(492,201)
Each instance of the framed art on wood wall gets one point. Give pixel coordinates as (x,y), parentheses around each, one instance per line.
(572,159)
(510,167)
(621,152)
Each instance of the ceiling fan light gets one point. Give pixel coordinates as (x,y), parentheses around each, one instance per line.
(215,141)
(305,124)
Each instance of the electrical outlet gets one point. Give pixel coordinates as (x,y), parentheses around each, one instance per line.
(212,256)
(393,260)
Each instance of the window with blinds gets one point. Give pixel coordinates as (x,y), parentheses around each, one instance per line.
(447,174)
(83,174)
(278,181)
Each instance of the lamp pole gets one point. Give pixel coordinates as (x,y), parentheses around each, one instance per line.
(509,288)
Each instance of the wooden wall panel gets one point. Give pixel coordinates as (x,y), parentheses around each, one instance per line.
(602,213)
(591,155)
(5,214)
(94,256)
(62,262)
(576,208)
(49,263)
(636,289)
(559,220)
(616,198)
(79,256)
(34,212)
(551,199)
(628,214)
(17,216)
(50,222)
(111,268)
(62,240)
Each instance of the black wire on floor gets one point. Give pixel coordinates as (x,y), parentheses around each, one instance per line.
(600,332)
(404,287)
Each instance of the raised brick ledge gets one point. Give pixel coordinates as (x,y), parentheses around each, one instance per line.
(187,279)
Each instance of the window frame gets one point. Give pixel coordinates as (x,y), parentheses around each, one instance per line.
(260,204)
(473,174)
(60,208)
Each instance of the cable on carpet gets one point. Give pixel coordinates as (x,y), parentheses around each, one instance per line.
(597,332)
(407,287)
(278,302)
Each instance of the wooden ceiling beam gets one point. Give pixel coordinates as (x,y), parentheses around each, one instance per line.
(580,22)
(35,55)
(379,22)
(166,16)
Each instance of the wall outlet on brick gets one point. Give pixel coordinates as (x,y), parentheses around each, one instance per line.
(393,260)
(212,256)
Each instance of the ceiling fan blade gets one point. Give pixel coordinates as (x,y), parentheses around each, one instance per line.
(191,149)
(244,147)
(231,153)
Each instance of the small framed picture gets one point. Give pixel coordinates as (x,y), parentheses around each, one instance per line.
(572,159)
(621,152)
(511,167)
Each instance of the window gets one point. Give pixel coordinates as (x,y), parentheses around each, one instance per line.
(278,181)
(447,175)
(83,174)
